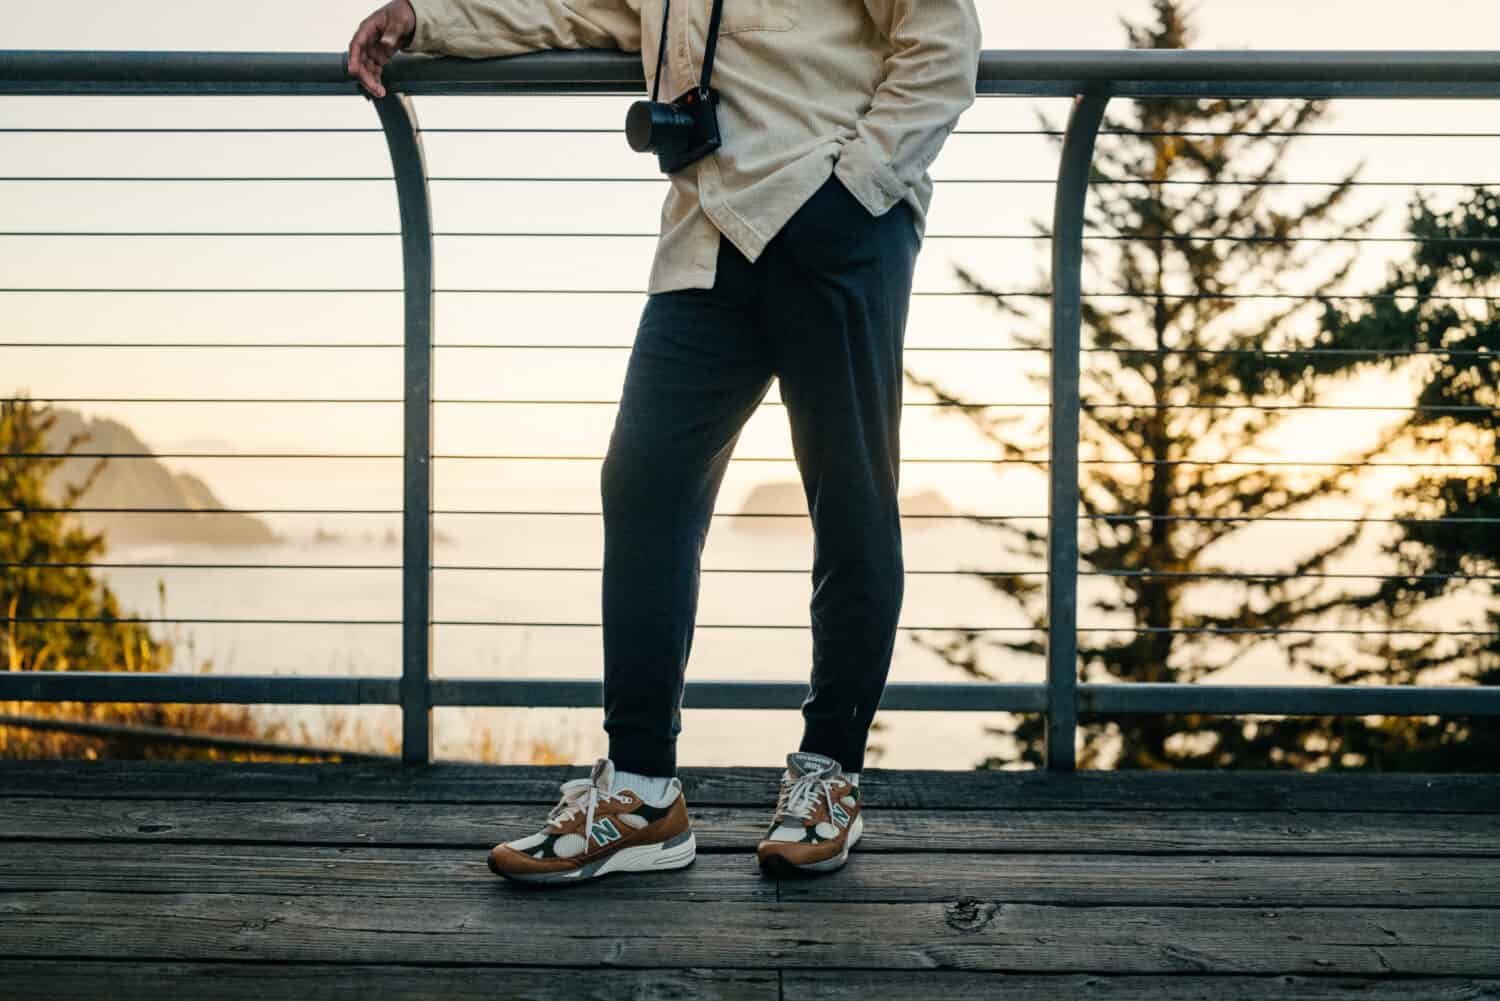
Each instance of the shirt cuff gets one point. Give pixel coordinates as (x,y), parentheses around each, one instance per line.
(425,37)
(869,180)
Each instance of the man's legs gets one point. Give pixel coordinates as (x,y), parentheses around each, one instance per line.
(699,367)
(838,288)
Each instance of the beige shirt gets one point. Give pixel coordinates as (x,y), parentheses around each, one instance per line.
(865,89)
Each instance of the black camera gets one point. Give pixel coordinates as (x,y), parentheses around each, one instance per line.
(687,130)
(680,133)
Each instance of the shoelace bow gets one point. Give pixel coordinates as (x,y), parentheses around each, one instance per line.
(798,797)
(580,794)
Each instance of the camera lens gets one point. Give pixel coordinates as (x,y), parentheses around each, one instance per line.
(651,125)
(639,126)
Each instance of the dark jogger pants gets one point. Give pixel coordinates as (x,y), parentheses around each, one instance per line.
(824,311)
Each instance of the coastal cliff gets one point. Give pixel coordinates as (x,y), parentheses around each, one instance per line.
(143,483)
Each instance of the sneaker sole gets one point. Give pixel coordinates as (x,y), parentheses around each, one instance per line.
(778,867)
(674,853)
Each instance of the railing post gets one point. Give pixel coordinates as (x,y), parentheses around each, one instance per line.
(1062,471)
(399,121)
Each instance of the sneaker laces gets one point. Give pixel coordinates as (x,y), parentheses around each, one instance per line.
(580,794)
(798,796)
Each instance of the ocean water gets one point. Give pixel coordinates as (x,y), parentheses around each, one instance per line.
(518,596)
(537,617)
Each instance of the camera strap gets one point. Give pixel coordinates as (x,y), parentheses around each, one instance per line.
(712,45)
(709,49)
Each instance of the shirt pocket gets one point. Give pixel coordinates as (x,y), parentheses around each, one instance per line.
(759,15)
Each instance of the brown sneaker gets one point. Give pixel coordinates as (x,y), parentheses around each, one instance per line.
(817,818)
(594,831)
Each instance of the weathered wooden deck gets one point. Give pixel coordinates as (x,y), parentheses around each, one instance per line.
(127,880)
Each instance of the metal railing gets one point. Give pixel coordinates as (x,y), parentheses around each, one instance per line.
(1089,78)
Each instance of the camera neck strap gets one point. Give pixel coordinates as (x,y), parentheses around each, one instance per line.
(709,49)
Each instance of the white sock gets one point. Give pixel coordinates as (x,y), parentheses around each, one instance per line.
(654,789)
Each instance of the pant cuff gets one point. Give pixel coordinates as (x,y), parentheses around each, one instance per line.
(633,752)
(834,743)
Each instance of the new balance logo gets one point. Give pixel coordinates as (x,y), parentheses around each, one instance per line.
(604,831)
(840,815)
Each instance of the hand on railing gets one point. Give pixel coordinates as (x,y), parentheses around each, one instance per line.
(379,37)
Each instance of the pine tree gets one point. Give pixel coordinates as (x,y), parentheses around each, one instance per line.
(1187,197)
(45,575)
(1434,321)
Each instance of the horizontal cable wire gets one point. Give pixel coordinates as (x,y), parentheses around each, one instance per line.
(514,130)
(202,455)
(1286,133)
(959,404)
(954,404)
(154,345)
(953,348)
(1112,518)
(1297,352)
(127,620)
(461,568)
(474,402)
(228,233)
(1478,241)
(1193,518)
(214,400)
(921,460)
(1016,294)
(531,179)
(1285,575)
(1210,576)
(190,130)
(200,511)
(766,626)
(1455,408)
(111,565)
(482,623)
(1280,631)
(481,568)
(773,627)
(223,179)
(226,291)
(1204,519)
(157,345)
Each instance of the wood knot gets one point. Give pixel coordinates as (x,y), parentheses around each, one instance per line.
(969,914)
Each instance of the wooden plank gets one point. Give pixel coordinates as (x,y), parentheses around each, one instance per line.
(417,874)
(64,981)
(728,829)
(476,826)
(948,985)
(1257,880)
(531,929)
(53,980)
(414,874)
(894,789)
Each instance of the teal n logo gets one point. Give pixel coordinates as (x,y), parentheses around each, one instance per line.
(605,831)
(841,815)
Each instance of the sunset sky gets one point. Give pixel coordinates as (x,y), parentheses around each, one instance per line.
(618,263)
